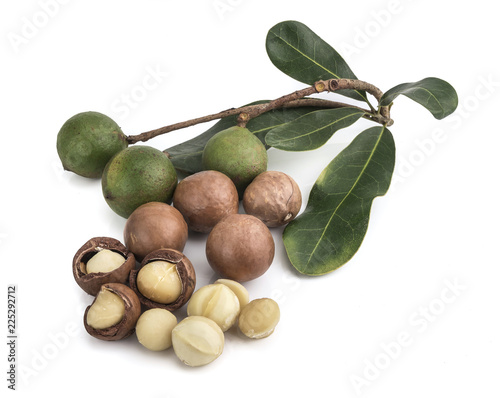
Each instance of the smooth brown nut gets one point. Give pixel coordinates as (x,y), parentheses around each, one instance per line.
(92,282)
(273,197)
(185,271)
(259,318)
(204,198)
(153,226)
(131,312)
(240,247)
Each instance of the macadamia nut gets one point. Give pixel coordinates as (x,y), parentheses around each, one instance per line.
(273,197)
(205,198)
(259,318)
(159,281)
(217,302)
(238,289)
(107,310)
(240,247)
(197,340)
(104,260)
(154,329)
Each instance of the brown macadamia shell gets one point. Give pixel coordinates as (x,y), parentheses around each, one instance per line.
(92,282)
(186,273)
(126,326)
(204,198)
(273,197)
(153,226)
(240,247)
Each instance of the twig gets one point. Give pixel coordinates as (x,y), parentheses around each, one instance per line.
(293,100)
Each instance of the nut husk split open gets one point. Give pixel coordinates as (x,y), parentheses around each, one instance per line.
(186,273)
(91,283)
(126,326)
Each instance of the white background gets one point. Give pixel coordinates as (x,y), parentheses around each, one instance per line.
(414,313)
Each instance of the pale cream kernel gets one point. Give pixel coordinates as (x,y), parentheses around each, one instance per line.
(154,329)
(217,302)
(197,340)
(104,260)
(107,310)
(259,318)
(159,281)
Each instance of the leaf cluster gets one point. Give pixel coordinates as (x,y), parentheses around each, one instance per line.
(332,227)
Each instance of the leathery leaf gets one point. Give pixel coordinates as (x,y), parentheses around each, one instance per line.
(332,227)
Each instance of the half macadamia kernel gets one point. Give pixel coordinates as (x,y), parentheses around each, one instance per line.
(102,260)
(114,312)
(165,279)
(259,318)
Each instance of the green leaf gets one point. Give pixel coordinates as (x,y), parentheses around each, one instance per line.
(301,54)
(331,228)
(186,157)
(312,130)
(436,95)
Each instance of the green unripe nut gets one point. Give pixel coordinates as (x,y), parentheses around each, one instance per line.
(138,175)
(237,153)
(87,141)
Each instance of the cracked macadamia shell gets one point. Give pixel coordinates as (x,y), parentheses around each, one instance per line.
(240,247)
(92,282)
(204,198)
(153,226)
(273,197)
(184,269)
(126,326)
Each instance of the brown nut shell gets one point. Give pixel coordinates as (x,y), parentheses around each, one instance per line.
(153,226)
(186,273)
(126,326)
(205,198)
(273,197)
(240,247)
(91,283)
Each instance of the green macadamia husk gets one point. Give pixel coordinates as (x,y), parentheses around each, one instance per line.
(87,141)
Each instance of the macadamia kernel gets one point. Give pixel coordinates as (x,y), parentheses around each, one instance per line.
(238,289)
(217,302)
(104,260)
(159,281)
(259,318)
(197,340)
(106,311)
(154,329)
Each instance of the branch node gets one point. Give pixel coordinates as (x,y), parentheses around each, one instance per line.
(320,86)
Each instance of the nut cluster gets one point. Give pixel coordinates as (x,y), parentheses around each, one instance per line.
(139,285)
(144,301)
